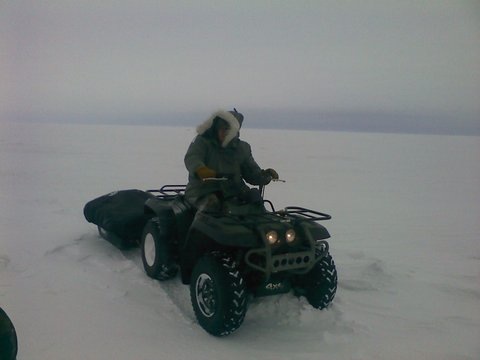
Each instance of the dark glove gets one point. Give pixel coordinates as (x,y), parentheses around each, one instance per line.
(272,173)
(268,175)
(205,172)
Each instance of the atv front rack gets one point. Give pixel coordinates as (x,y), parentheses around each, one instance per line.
(303,213)
(291,213)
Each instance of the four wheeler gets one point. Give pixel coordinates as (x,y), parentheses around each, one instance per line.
(242,251)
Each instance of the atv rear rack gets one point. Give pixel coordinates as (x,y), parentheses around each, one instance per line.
(168,192)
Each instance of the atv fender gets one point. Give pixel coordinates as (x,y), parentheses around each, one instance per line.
(317,231)
(209,232)
(158,206)
(226,231)
(184,214)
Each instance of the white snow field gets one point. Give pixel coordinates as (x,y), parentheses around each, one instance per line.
(405,239)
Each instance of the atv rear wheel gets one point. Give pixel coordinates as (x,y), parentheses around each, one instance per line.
(320,284)
(218,294)
(156,253)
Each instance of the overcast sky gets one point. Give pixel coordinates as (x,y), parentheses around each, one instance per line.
(150,58)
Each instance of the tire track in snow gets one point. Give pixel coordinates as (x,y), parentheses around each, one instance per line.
(94,254)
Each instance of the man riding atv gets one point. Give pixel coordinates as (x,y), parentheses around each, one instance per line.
(216,231)
(218,152)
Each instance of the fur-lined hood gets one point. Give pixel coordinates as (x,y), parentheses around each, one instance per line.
(234,122)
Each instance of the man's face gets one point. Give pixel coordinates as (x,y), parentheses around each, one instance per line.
(222,132)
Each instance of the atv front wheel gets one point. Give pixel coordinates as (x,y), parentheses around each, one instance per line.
(218,294)
(320,284)
(156,253)
(8,338)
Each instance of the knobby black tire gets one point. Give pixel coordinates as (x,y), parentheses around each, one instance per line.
(228,303)
(320,284)
(8,338)
(156,253)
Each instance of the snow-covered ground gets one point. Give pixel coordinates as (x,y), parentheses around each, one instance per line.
(405,238)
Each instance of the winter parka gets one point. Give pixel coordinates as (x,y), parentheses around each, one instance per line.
(233,157)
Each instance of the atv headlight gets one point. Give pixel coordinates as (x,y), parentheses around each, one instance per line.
(272,237)
(290,236)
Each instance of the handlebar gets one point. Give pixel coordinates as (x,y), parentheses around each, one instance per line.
(216,179)
(225,178)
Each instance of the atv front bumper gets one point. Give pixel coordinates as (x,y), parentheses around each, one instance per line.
(301,262)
